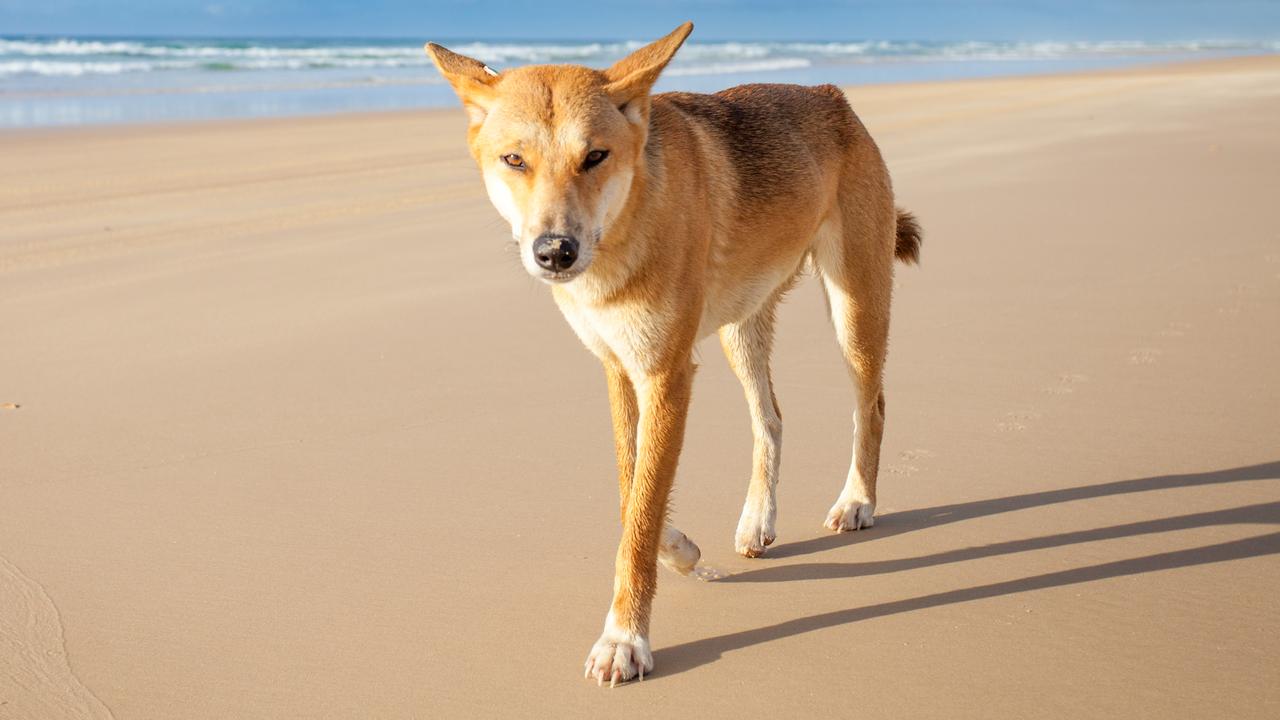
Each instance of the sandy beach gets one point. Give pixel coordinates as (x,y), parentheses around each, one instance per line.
(272,394)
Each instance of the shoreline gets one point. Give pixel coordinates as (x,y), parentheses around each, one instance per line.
(1242,62)
(1125,65)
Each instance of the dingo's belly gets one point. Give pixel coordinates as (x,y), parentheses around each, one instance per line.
(741,285)
(742,297)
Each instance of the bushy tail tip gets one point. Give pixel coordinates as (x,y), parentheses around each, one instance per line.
(907,248)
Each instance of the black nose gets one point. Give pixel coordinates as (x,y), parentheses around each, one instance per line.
(556,253)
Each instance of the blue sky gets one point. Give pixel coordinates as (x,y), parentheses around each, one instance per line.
(617,19)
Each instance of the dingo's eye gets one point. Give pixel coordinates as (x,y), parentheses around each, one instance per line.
(513,160)
(594,158)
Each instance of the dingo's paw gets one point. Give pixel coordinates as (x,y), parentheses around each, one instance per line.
(677,552)
(755,532)
(850,515)
(618,655)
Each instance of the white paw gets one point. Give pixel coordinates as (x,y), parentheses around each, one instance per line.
(850,515)
(755,531)
(618,655)
(677,552)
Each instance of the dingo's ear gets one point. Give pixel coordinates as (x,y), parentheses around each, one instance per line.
(470,78)
(633,76)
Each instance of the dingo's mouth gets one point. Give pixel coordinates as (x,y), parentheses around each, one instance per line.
(558,278)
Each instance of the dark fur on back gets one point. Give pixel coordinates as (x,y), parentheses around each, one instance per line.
(775,135)
(767,127)
(907,248)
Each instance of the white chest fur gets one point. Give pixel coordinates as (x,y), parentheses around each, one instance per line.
(631,333)
(628,333)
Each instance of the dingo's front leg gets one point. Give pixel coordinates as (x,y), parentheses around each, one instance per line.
(622,652)
(676,551)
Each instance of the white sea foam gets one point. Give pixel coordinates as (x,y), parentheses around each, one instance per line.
(726,68)
(63,57)
(61,68)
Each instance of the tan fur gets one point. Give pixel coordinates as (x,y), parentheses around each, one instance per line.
(701,217)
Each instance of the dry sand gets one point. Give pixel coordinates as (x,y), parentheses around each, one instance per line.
(296,437)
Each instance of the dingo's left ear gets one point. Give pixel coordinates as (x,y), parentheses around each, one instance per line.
(470,78)
(633,76)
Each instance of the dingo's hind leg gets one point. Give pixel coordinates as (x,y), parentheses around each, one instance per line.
(856,267)
(747,344)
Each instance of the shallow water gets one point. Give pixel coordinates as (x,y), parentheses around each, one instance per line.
(47,81)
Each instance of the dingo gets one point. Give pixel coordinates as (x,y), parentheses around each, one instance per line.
(660,219)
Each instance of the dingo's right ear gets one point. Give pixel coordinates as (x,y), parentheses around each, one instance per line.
(470,78)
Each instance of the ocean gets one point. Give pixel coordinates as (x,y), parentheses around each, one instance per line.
(52,81)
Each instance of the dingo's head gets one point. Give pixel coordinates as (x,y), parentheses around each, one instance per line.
(559,146)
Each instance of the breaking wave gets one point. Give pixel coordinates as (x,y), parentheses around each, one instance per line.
(66,57)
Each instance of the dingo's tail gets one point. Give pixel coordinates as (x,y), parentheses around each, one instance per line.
(907,248)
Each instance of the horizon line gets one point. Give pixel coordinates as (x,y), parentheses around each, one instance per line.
(414,38)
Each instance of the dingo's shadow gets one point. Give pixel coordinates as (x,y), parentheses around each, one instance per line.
(907,521)
(700,652)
